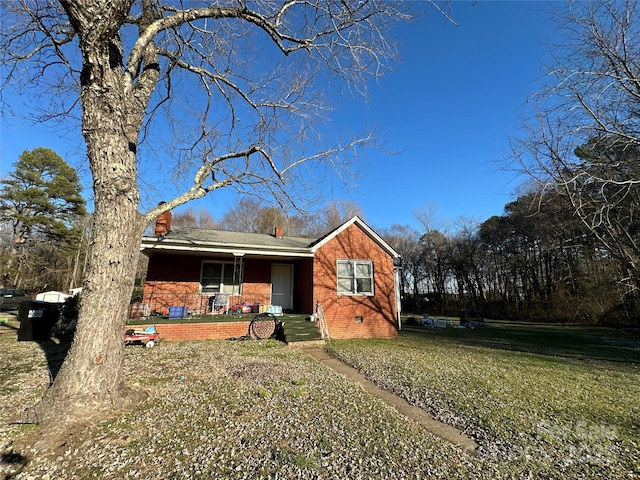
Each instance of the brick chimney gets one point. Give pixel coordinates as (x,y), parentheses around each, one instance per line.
(279,232)
(163,223)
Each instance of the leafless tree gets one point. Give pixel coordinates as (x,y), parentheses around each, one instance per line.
(234,84)
(243,215)
(191,218)
(406,241)
(427,216)
(584,139)
(332,215)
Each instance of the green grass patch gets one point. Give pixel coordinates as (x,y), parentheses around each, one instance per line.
(543,401)
(555,340)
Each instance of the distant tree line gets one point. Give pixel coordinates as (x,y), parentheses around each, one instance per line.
(535,262)
(581,146)
(251,215)
(569,248)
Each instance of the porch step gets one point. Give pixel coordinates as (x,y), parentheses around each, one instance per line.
(298,329)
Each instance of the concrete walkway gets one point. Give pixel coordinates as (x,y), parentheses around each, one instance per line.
(433,426)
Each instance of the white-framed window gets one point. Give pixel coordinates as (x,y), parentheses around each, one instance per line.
(355,277)
(219,277)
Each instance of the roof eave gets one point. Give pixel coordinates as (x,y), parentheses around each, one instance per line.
(161,245)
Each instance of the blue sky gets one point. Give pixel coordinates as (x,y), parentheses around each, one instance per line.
(447,112)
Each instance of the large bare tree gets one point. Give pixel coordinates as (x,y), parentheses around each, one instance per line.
(584,138)
(234,85)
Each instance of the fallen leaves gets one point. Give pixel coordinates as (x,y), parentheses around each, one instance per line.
(236,410)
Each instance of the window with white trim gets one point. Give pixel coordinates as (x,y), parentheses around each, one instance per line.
(218,277)
(355,277)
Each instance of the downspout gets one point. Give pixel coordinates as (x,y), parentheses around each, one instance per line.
(237,267)
(397,267)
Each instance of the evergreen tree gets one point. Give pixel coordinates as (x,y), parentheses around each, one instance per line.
(40,201)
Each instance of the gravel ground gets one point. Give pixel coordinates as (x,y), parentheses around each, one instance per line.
(228,410)
(249,410)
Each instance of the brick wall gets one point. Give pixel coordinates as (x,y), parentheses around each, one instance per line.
(179,332)
(160,295)
(168,267)
(377,312)
(256,293)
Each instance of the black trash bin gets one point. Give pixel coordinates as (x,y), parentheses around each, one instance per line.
(36,320)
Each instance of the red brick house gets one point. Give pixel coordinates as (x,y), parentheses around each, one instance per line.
(351,272)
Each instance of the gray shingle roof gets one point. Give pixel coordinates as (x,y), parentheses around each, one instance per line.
(202,236)
(221,241)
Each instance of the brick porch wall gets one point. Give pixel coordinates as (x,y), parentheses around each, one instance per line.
(180,332)
(256,293)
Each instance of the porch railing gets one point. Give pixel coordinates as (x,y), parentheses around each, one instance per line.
(179,305)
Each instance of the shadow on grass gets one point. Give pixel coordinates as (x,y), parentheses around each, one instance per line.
(558,340)
(13,459)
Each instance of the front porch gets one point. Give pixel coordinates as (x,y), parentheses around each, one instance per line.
(297,328)
(185,300)
(193,285)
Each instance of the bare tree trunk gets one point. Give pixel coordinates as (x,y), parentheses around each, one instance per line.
(90,379)
(89,384)
(13,263)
